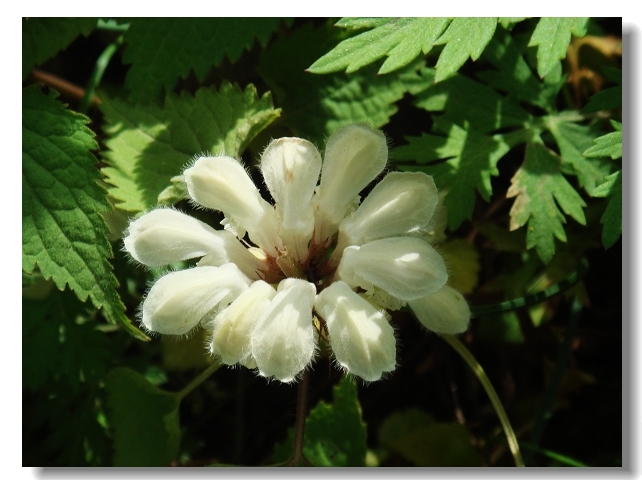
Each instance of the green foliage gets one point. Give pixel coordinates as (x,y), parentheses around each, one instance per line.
(42,38)
(162,50)
(551,37)
(537,185)
(62,228)
(149,145)
(426,443)
(609,98)
(335,435)
(612,217)
(144,420)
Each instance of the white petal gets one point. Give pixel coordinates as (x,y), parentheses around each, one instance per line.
(291,167)
(178,301)
(445,311)
(403,202)
(233,326)
(283,341)
(362,340)
(354,156)
(405,267)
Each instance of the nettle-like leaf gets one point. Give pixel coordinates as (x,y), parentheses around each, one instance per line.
(162,50)
(335,435)
(314,106)
(144,419)
(149,145)
(470,161)
(537,186)
(42,38)
(552,37)
(403,39)
(63,232)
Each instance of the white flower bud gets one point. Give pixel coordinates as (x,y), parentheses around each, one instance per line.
(180,300)
(362,340)
(406,267)
(444,311)
(283,340)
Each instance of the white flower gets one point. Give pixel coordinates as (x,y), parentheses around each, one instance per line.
(322,264)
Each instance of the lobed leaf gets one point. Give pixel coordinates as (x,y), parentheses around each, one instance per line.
(63,231)
(162,50)
(612,217)
(552,37)
(537,186)
(149,145)
(609,145)
(42,38)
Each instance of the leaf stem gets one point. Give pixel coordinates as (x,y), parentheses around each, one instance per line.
(492,395)
(198,380)
(97,74)
(297,459)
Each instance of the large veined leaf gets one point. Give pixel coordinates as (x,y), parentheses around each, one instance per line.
(162,50)
(552,37)
(539,187)
(149,145)
(63,232)
(42,38)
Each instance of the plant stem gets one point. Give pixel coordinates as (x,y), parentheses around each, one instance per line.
(490,391)
(297,459)
(198,380)
(97,74)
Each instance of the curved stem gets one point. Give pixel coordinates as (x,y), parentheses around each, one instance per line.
(492,395)
(198,380)
(97,74)
(298,458)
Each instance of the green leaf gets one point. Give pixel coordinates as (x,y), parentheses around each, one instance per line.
(572,140)
(400,39)
(465,100)
(162,50)
(42,38)
(612,217)
(536,186)
(149,145)
(63,231)
(315,106)
(609,145)
(335,435)
(609,98)
(465,37)
(414,435)
(471,161)
(144,419)
(552,37)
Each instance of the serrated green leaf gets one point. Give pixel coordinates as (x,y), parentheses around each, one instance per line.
(466,101)
(149,145)
(400,39)
(414,435)
(573,140)
(162,50)
(609,145)
(471,161)
(509,22)
(552,37)
(465,37)
(62,228)
(335,435)
(42,38)
(314,106)
(612,217)
(144,419)
(536,186)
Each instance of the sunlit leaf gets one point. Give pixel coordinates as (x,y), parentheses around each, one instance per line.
(609,145)
(552,37)
(62,228)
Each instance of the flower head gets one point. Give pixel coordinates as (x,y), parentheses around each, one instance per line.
(317,263)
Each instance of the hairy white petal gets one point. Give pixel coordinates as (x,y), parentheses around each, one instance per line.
(178,301)
(444,311)
(405,267)
(362,340)
(403,202)
(291,167)
(354,156)
(283,340)
(233,326)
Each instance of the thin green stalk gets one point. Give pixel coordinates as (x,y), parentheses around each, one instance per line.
(490,391)
(198,380)
(97,74)
(298,459)
(532,299)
